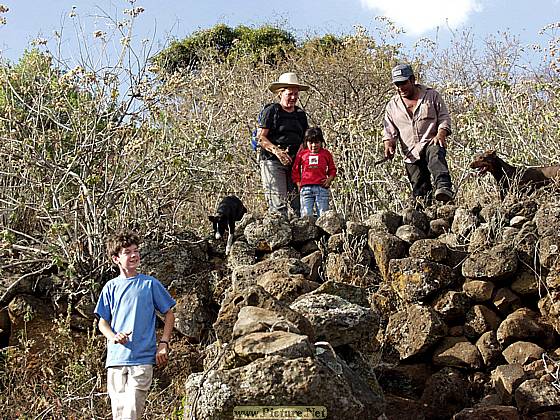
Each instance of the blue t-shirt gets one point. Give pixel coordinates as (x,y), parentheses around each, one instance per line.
(129,305)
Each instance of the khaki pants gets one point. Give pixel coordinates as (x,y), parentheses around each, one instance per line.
(278,186)
(128,387)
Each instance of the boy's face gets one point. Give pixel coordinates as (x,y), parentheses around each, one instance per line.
(128,259)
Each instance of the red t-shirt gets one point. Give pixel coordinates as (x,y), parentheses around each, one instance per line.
(313,168)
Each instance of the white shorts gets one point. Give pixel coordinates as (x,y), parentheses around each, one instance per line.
(128,387)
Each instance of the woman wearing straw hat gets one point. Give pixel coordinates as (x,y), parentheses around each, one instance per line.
(281,132)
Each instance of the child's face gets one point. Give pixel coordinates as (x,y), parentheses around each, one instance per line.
(128,259)
(314,146)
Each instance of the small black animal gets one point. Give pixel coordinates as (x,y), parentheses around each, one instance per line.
(229,211)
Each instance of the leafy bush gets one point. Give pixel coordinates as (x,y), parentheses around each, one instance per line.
(266,44)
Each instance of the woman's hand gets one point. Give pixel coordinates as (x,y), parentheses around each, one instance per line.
(282,155)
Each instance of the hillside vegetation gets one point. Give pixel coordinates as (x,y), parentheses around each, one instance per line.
(81,155)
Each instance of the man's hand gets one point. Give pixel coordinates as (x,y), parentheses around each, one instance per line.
(162,354)
(440,138)
(389,147)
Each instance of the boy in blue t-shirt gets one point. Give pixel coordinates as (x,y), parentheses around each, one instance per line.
(127,318)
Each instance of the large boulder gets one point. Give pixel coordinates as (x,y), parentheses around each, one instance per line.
(464,223)
(285,288)
(270,233)
(257,345)
(345,268)
(349,292)
(331,222)
(414,330)
(194,316)
(506,379)
(247,275)
(252,319)
(522,352)
(521,325)
(415,279)
(480,319)
(304,229)
(430,249)
(494,264)
(385,247)
(445,393)
(547,219)
(384,221)
(255,296)
(534,396)
(457,352)
(452,306)
(490,349)
(184,256)
(336,320)
(278,381)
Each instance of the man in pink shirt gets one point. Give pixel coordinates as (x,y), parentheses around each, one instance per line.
(417,117)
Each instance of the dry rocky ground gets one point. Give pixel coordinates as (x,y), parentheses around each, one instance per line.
(449,312)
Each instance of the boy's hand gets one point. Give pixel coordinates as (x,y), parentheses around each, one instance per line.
(162,354)
(121,338)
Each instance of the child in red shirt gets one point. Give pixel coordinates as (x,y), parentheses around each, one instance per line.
(313,171)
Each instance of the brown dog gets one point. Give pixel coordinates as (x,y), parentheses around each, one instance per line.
(507,176)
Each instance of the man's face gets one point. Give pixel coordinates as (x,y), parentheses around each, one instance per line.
(405,89)
(128,258)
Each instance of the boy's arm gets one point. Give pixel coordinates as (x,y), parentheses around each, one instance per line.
(162,353)
(107,331)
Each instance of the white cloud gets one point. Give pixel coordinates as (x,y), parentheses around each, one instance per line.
(419,16)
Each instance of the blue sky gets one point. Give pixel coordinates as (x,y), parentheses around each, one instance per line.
(161,20)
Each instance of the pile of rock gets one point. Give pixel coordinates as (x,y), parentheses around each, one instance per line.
(448,312)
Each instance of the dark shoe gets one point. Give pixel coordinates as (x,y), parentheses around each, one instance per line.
(443,194)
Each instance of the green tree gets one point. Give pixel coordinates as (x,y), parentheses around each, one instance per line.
(266,44)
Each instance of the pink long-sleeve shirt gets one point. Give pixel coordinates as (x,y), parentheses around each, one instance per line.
(414,133)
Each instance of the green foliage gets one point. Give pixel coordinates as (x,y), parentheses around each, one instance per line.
(327,44)
(220,43)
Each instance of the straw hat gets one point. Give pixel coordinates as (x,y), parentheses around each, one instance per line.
(287,80)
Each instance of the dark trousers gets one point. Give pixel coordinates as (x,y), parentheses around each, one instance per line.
(431,165)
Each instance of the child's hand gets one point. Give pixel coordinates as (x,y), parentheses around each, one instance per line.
(121,338)
(162,354)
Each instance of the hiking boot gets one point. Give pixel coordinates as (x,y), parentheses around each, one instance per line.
(443,194)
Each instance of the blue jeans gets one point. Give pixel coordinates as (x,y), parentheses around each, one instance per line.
(313,195)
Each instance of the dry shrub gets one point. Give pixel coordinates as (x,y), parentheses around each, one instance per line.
(81,155)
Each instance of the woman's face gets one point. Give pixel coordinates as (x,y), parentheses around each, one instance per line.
(289,97)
